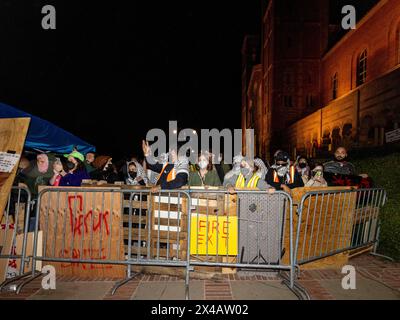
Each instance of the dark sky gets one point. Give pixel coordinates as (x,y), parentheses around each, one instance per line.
(113,70)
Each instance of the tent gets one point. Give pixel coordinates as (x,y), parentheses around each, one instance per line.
(45,136)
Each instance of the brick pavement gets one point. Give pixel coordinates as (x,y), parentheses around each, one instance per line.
(375,271)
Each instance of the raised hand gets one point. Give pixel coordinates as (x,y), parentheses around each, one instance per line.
(146,148)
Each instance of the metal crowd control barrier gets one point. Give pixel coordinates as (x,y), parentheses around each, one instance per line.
(88,228)
(331,222)
(14,233)
(247,235)
(113,231)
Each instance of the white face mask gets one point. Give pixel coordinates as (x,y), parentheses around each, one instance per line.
(282,170)
(203,164)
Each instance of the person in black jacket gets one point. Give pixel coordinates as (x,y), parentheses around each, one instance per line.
(282,175)
(173,174)
(105,170)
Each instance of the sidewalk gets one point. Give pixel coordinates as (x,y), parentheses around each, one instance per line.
(376,279)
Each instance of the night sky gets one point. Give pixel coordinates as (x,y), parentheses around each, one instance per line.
(113,70)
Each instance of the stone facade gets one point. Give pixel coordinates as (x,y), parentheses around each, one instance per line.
(315,99)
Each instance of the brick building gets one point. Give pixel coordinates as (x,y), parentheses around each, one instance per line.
(308,95)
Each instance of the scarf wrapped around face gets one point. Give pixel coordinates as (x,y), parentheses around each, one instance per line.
(235,168)
(140,173)
(262,169)
(182,165)
(42,167)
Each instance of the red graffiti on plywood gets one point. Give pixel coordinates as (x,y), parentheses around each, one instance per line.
(85,219)
(87,254)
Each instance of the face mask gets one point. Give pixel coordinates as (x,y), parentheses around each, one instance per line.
(282,170)
(203,164)
(70,165)
(244,171)
(302,165)
(132,174)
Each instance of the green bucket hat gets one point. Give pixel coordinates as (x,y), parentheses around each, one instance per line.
(76,155)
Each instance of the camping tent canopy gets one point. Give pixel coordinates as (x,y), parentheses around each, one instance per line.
(45,136)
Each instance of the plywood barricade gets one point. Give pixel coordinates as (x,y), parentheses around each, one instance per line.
(86,219)
(83,225)
(333,225)
(12,140)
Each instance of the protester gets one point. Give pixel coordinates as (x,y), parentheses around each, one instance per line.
(76,170)
(234,172)
(221,167)
(282,175)
(152,175)
(23,166)
(58,173)
(38,174)
(134,174)
(105,170)
(303,168)
(89,159)
(262,168)
(205,174)
(317,177)
(339,165)
(340,172)
(173,174)
(248,178)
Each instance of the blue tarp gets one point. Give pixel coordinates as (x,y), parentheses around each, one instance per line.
(45,136)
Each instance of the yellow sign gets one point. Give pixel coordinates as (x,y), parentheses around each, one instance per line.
(208,234)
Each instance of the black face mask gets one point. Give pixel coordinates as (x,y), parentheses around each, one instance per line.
(70,165)
(302,165)
(132,174)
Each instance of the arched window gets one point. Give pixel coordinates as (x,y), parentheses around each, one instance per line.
(362,68)
(335,84)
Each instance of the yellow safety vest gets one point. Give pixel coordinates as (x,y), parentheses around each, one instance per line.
(240,181)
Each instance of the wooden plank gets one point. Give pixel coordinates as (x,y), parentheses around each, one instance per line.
(136,204)
(6,237)
(333,223)
(12,139)
(84,226)
(157,221)
(163,235)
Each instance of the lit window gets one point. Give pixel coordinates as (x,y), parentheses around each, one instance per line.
(362,68)
(335,83)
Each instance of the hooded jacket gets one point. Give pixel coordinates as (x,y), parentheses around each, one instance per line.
(181,167)
(134,180)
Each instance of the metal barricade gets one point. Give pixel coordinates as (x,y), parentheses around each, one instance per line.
(14,236)
(331,222)
(245,230)
(106,232)
(117,232)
